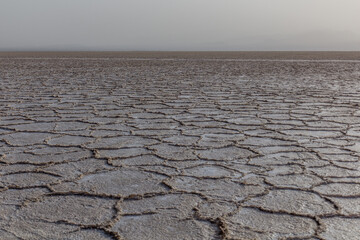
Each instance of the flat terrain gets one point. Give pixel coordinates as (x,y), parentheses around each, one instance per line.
(163,146)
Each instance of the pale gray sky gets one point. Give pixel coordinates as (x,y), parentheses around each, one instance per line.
(179,24)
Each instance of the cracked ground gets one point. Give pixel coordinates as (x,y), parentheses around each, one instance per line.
(184,146)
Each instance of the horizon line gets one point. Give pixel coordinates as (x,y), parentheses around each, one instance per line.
(165,51)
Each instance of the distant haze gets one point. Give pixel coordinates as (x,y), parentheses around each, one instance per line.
(179,25)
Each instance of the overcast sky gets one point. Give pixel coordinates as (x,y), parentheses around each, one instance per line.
(179,24)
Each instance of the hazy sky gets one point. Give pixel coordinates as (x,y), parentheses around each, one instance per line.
(179,24)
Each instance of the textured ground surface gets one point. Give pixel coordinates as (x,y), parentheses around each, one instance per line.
(179,148)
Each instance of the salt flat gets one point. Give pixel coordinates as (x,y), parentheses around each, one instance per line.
(179,146)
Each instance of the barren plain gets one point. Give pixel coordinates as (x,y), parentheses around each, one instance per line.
(163,146)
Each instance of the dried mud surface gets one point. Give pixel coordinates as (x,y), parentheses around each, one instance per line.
(179,147)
